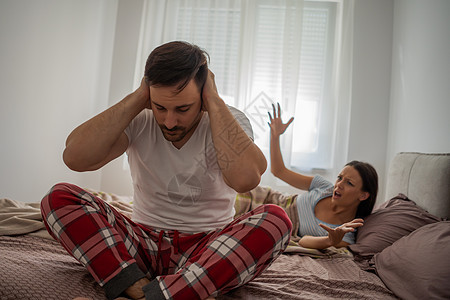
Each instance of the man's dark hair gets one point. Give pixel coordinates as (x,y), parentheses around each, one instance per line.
(175,64)
(369,178)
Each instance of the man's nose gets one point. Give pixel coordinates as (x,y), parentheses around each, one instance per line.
(170,120)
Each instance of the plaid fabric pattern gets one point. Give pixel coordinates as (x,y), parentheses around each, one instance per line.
(261,195)
(186,266)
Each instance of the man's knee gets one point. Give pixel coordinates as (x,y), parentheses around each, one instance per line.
(61,199)
(56,197)
(274,222)
(277,212)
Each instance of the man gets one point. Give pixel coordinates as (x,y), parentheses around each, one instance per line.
(188,157)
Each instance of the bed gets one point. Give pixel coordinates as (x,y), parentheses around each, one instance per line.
(407,234)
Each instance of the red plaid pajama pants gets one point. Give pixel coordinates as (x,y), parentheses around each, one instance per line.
(118,252)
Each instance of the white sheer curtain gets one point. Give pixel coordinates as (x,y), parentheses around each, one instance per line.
(263,52)
(342,85)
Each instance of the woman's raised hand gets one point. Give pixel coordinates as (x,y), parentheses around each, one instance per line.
(277,127)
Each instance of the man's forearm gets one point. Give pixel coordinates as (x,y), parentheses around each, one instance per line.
(95,140)
(240,160)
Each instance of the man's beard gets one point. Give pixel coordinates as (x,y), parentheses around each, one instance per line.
(175,134)
(178,133)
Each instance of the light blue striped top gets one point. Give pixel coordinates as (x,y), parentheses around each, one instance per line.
(309,225)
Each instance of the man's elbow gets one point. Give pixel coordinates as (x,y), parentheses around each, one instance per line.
(246,185)
(74,162)
(248,180)
(71,161)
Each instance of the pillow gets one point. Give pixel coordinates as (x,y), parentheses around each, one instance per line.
(399,217)
(417,266)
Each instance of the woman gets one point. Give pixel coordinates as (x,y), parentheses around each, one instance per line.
(324,207)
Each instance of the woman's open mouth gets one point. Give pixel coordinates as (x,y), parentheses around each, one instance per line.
(336,194)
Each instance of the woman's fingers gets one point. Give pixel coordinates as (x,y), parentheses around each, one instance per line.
(355,222)
(289,122)
(326,227)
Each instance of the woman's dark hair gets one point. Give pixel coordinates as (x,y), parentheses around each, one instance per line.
(369,178)
(175,64)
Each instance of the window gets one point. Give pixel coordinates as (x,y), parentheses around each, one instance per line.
(315,103)
(269,51)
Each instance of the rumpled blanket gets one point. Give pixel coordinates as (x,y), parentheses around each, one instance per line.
(19,217)
(36,268)
(25,218)
(42,268)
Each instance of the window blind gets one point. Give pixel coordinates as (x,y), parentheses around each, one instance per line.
(273,37)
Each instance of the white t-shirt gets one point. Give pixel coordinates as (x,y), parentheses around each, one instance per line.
(178,189)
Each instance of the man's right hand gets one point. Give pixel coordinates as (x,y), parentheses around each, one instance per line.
(143,91)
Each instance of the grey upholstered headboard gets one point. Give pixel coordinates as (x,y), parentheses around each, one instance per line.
(423,178)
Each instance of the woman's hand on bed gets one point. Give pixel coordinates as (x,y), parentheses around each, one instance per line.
(335,235)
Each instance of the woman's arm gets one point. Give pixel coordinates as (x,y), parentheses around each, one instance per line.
(242,163)
(334,238)
(278,168)
(316,242)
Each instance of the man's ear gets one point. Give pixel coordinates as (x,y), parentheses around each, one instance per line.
(149,103)
(202,102)
(202,107)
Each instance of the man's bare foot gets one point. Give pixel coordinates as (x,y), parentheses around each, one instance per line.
(135,291)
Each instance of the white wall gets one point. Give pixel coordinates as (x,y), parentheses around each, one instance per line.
(372,50)
(115,177)
(401,71)
(420,89)
(55,67)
